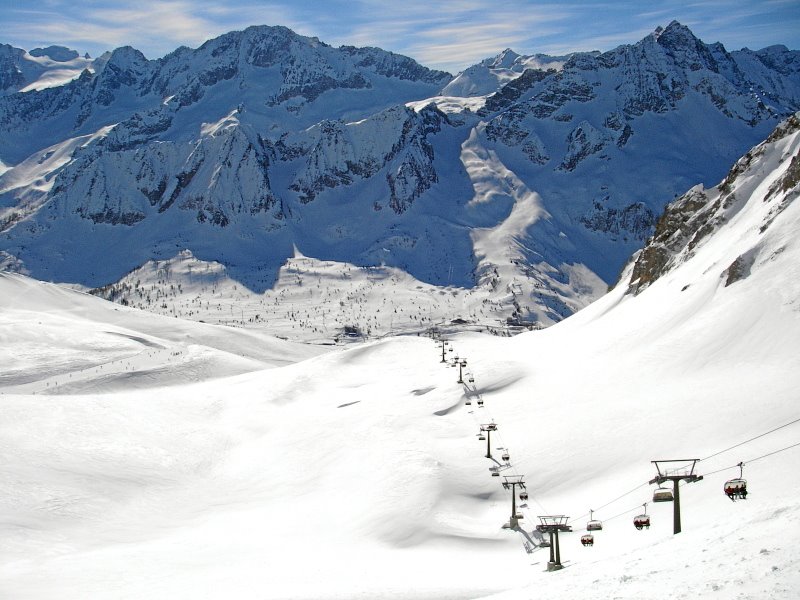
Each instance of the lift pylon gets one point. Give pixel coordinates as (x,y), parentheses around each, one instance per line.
(553,524)
(683,470)
(488,428)
(511,482)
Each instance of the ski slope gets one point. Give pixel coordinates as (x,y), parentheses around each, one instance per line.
(144,456)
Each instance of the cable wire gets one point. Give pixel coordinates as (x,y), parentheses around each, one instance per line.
(752,459)
(751,439)
(620,497)
(625,512)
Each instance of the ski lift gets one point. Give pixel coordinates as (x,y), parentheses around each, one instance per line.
(736,488)
(593,524)
(481,436)
(587,539)
(662,494)
(505,456)
(480,401)
(468,402)
(642,520)
(519,516)
(471,379)
(495,474)
(523,496)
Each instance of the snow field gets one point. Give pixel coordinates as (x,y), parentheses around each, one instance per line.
(252,467)
(358,473)
(223,469)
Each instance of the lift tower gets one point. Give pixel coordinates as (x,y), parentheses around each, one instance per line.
(684,471)
(445,343)
(552,524)
(488,428)
(512,481)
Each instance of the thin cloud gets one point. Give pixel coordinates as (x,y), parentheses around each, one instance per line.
(450,35)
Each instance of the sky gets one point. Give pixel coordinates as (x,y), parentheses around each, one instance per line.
(448,34)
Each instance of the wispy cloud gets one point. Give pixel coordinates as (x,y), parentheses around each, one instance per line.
(450,34)
(460,33)
(150,23)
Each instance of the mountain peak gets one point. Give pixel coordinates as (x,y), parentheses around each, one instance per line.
(677,35)
(505,59)
(126,55)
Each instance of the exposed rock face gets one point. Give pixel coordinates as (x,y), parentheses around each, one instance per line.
(683,221)
(635,220)
(581,142)
(100,184)
(11,76)
(395,140)
(699,213)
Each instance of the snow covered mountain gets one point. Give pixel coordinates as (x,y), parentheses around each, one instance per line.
(263,145)
(152,457)
(40,68)
(491,74)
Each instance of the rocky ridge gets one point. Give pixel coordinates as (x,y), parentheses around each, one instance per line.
(696,215)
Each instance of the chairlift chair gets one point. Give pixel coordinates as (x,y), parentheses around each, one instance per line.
(495,474)
(505,457)
(519,516)
(481,436)
(736,488)
(523,496)
(480,401)
(471,380)
(643,520)
(593,524)
(662,494)
(587,539)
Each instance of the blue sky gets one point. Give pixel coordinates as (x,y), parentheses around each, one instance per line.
(448,34)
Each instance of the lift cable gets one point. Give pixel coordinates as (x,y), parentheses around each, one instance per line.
(751,439)
(752,459)
(706,458)
(620,497)
(638,507)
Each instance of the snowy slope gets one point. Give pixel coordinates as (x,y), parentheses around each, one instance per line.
(358,473)
(491,74)
(311,300)
(39,69)
(59,341)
